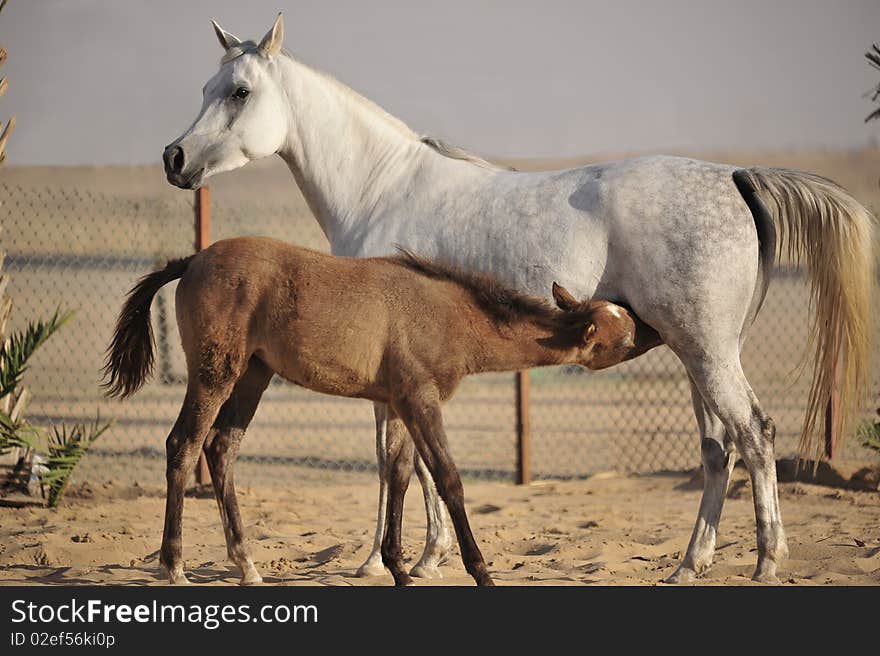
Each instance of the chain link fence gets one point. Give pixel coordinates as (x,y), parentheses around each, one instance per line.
(82,251)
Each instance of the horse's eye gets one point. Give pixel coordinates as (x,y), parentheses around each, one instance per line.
(241,93)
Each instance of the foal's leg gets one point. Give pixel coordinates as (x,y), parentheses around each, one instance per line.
(727,393)
(400,466)
(422,415)
(221,452)
(718,455)
(373,566)
(182,448)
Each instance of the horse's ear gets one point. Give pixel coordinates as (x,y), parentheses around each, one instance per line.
(226,39)
(272,42)
(564,300)
(589,332)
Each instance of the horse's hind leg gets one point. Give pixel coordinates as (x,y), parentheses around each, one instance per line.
(718,455)
(728,395)
(400,466)
(200,407)
(421,413)
(438,540)
(221,452)
(439,537)
(373,566)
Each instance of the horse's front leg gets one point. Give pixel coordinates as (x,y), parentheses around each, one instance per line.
(440,537)
(373,566)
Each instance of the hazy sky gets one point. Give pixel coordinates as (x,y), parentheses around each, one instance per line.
(113,81)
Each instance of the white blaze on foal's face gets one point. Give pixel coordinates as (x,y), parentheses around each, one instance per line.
(243,115)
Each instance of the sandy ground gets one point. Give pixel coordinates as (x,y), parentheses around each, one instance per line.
(608,529)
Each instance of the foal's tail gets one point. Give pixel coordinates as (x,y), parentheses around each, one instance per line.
(130,356)
(818,221)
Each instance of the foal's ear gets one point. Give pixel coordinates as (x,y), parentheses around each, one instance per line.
(589,332)
(272,42)
(226,39)
(564,300)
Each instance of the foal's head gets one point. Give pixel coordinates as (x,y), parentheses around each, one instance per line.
(601,333)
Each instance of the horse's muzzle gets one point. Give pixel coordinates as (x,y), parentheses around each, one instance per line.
(174,160)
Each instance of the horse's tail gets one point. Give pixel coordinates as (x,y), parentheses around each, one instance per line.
(130,355)
(819,222)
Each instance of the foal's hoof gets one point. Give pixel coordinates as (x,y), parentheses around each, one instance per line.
(682,575)
(371,568)
(403,580)
(423,571)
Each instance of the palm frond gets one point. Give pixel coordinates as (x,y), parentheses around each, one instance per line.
(16,434)
(869,434)
(66,447)
(16,352)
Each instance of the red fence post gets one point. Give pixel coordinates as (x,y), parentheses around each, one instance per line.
(202,211)
(523,430)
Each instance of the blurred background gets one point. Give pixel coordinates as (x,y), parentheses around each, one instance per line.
(99,87)
(109,82)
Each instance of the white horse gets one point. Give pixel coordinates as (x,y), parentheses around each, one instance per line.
(689,245)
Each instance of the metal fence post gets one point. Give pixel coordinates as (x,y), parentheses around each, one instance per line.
(831,416)
(202,210)
(523,430)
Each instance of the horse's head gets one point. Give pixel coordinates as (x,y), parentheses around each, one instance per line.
(242,116)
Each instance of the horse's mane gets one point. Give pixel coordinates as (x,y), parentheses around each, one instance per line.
(503,304)
(454,152)
(237,51)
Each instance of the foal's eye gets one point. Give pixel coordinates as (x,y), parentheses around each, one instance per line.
(241,93)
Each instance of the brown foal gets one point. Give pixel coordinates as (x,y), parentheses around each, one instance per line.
(397,330)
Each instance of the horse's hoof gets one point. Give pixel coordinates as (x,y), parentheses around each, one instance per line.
(403,580)
(682,575)
(251,579)
(371,568)
(422,571)
(769,578)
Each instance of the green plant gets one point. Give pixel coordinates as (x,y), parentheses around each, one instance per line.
(66,447)
(21,346)
(62,447)
(14,355)
(869,434)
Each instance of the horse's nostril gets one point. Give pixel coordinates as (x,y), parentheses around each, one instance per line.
(174,159)
(177,160)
